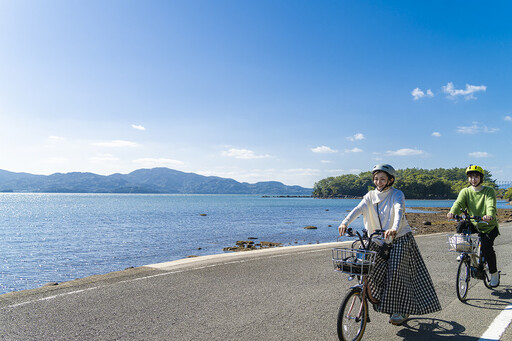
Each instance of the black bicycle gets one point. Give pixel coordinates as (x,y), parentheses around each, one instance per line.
(358,262)
(472,262)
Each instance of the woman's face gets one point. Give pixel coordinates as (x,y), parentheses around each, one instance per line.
(474,179)
(380,179)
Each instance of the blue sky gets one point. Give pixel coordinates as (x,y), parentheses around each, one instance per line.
(292,91)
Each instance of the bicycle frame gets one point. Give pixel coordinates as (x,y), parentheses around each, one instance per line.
(353,313)
(472,263)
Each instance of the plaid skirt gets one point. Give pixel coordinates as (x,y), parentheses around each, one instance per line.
(402,284)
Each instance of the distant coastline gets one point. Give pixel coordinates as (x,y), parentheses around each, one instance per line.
(143,181)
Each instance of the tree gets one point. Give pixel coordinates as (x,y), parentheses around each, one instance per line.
(416,183)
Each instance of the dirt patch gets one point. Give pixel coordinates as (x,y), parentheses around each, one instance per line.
(435,219)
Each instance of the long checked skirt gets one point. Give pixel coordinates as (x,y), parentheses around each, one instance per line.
(402,284)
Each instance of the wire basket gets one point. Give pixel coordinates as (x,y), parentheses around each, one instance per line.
(353,261)
(460,242)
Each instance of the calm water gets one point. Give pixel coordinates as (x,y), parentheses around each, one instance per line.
(59,237)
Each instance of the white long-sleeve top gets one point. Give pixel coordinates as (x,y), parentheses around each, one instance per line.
(391,211)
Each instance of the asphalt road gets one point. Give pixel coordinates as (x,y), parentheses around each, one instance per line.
(288,293)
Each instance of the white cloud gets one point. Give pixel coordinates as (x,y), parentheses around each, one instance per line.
(302,171)
(103,158)
(158,162)
(479,154)
(138,127)
(436,134)
(468,93)
(353,150)
(323,150)
(243,154)
(508,118)
(116,144)
(326,161)
(405,152)
(475,129)
(356,137)
(56,138)
(418,93)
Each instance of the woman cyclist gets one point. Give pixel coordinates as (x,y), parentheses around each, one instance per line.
(480,201)
(401,283)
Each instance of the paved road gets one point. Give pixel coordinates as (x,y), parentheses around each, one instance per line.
(280,294)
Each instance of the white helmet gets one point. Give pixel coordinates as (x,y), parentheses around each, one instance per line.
(383,167)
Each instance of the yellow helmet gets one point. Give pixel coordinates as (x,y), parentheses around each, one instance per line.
(475,168)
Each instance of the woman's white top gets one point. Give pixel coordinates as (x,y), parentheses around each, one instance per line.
(391,211)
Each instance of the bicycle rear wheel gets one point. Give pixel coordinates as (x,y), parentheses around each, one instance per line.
(352,316)
(463,277)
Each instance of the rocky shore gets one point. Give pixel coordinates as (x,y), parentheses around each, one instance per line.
(434,219)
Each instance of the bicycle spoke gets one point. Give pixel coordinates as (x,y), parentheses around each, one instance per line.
(352,316)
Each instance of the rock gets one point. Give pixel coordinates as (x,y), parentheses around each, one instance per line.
(243,245)
(51,284)
(270,244)
(191,256)
(203,214)
(310,227)
(427,223)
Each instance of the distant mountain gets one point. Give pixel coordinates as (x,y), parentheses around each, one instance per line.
(156,180)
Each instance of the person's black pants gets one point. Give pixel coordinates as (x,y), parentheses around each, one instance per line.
(487,246)
(487,240)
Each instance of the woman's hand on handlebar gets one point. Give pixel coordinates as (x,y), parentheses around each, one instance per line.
(342,229)
(390,234)
(450,215)
(487,218)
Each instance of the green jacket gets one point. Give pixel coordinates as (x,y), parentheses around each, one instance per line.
(478,204)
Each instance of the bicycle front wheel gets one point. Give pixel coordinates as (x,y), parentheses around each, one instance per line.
(352,316)
(463,277)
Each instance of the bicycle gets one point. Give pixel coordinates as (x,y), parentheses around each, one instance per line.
(357,261)
(472,262)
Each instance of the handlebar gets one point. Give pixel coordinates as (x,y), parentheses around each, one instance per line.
(350,233)
(467,217)
(364,236)
(476,218)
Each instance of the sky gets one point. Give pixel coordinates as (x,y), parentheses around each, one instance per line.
(292,91)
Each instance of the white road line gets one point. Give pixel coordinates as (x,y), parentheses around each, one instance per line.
(50,297)
(498,326)
(152,276)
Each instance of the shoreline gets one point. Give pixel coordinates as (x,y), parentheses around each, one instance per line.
(436,216)
(184,264)
(438,221)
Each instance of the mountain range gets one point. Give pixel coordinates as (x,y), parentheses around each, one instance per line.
(156,180)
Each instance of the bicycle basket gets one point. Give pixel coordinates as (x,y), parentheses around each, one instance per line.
(353,261)
(463,243)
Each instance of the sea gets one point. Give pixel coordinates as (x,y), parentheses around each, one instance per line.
(47,238)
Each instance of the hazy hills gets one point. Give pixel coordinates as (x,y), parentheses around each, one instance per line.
(156,180)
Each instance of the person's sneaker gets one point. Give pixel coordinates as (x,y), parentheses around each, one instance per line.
(495,280)
(397,319)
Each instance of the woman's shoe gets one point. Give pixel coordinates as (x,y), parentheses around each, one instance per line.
(398,319)
(495,279)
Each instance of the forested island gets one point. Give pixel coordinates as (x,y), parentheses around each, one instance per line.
(416,183)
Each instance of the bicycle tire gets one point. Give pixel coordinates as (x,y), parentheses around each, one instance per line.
(487,276)
(352,316)
(463,277)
